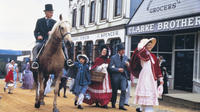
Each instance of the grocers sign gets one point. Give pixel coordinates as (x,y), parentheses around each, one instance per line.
(183,23)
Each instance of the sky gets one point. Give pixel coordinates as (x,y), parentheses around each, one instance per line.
(18,19)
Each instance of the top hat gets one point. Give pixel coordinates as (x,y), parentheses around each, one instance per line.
(48,7)
(120,47)
(145,41)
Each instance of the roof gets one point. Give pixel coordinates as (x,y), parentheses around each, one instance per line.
(10,52)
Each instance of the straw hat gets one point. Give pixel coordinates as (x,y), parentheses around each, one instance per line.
(145,41)
(83,56)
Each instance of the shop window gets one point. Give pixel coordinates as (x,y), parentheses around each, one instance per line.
(113,45)
(89,50)
(98,48)
(165,43)
(78,49)
(185,41)
(82,15)
(92,12)
(180,42)
(74,17)
(134,42)
(118,8)
(189,41)
(70,49)
(104,9)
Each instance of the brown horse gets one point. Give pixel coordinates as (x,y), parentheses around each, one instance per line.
(51,61)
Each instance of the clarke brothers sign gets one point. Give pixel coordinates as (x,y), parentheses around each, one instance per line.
(160,13)
(184,23)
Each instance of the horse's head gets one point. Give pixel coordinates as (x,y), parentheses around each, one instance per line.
(62,30)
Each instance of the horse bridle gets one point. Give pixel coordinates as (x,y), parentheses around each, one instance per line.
(63,35)
(63,43)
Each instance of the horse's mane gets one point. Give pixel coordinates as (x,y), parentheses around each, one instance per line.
(54,29)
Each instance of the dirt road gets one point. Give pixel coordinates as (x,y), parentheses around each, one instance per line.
(23,101)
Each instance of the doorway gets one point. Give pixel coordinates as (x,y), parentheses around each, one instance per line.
(184,61)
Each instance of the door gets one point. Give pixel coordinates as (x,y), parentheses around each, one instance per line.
(184,70)
(184,61)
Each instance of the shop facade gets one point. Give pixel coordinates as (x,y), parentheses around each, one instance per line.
(176,26)
(98,22)
(90,44)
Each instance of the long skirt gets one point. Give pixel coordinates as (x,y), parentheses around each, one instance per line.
(100,92)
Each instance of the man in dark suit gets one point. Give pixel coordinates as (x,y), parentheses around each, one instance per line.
(42,31)
(119,71)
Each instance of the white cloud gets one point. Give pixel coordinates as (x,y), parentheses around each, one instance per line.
(18,18)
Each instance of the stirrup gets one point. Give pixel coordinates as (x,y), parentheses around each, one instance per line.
(36,65)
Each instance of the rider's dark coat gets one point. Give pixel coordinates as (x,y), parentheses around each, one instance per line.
(42,28)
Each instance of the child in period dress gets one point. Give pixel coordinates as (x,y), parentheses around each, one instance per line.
(82,79)
(145,66)
(9,79)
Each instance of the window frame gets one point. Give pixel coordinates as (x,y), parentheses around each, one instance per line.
(115,9)
(91,20)
(82,15)
(74,17)
(102,10)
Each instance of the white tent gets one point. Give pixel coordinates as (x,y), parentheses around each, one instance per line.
(21,58)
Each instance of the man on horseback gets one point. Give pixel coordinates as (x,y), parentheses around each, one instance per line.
(42,30)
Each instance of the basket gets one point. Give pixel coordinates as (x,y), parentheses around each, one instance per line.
(97,76)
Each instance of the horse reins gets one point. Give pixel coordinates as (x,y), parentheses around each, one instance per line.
(63,43)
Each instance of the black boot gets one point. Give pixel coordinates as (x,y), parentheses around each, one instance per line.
(80,107)
(122,108)
(138,110)
(105,106)
(97,104)
(75,102)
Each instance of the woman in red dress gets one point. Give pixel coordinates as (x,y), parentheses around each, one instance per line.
(100,93)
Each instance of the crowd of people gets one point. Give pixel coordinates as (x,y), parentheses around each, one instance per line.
(119,72)
(15,74)
(116,73)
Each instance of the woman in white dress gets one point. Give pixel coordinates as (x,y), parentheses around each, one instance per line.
(145,66)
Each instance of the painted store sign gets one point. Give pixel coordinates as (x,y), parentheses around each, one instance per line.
(157,10)
(184,23)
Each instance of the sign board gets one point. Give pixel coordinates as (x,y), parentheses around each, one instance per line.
(104,35)
(156,10)
(176,24)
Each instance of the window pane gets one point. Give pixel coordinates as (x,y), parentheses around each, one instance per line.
(165,43)
(134,42)
(189,41)
(74,18)
(118,7)
(113,46)
(98,47)
(92,12)
(78,49)
(155,48)
(179,42)
(82,15)
(104,9)
(89,50)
